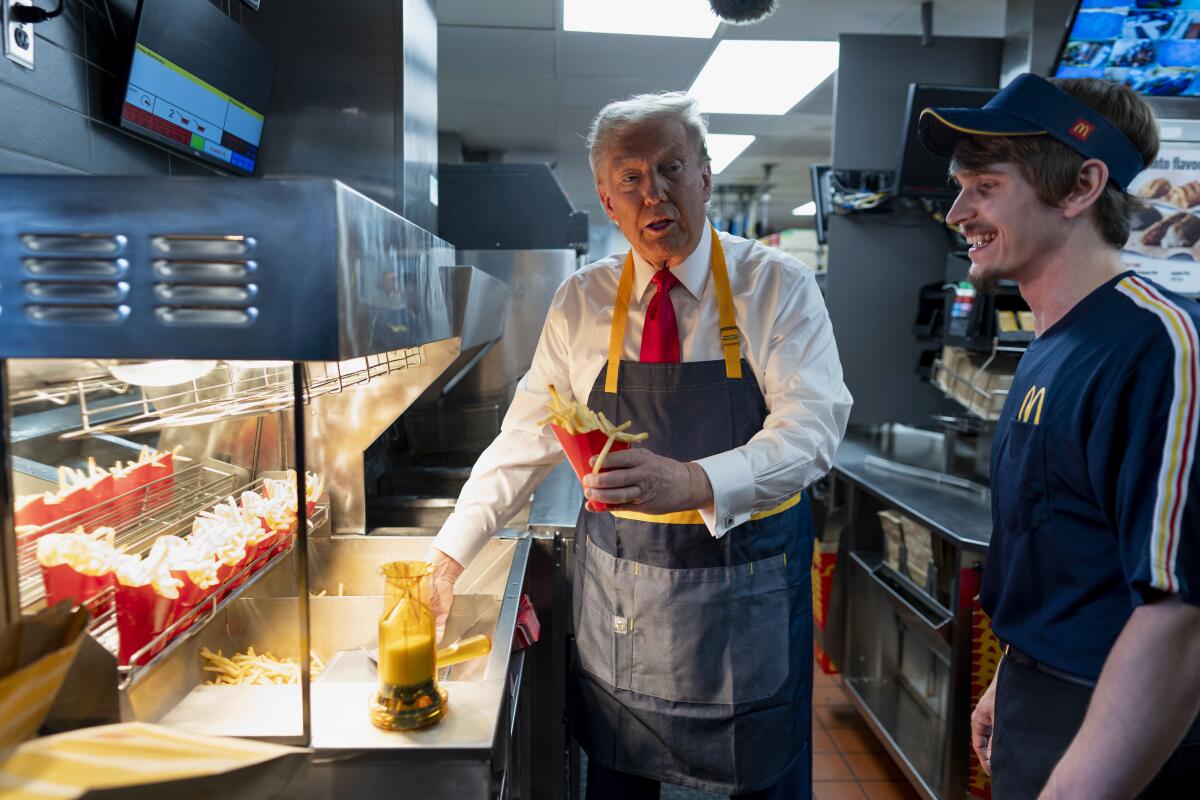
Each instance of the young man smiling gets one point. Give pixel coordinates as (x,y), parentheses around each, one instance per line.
(1093,575)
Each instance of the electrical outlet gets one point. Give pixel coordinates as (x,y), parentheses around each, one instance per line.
(18,38)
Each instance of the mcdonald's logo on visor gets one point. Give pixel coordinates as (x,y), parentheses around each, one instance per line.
(1031,406)
(1082,129)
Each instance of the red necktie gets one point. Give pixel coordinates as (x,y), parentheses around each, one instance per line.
(660,335)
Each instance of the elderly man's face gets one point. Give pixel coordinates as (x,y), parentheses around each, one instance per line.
(653,185)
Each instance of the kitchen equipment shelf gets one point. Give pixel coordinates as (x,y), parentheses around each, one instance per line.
(230,391)
(63,394)
(974,391)
(166,505)
(195,621)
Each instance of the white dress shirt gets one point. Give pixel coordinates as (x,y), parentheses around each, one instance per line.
(786,338)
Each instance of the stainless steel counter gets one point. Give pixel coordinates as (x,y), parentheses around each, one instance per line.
(350,755)
(557,501)
(905,645)
(963,515)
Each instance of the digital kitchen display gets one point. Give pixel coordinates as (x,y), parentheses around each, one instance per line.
(1153,46)
(198,82)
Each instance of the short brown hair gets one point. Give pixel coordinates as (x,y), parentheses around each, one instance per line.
(1052,167)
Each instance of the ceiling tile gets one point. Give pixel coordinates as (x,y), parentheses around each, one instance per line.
(594,92)
(495,50)
(674,60)
(456,88)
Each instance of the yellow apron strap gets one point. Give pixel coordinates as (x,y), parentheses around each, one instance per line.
(694,518)
(730,340)
(731,344)
(616,335)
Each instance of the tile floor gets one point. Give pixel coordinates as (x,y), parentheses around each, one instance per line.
(848,761)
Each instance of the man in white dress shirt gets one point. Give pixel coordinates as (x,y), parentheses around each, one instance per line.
(692,606)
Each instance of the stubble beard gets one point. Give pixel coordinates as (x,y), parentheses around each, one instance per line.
(984,281)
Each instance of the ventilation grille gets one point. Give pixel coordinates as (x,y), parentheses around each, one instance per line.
(204,281)
(75,279)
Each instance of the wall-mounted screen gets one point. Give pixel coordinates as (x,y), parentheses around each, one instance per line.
(921,173)
(1151,45)
(199,82)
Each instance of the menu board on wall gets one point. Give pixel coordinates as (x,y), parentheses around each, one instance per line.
(1165,241)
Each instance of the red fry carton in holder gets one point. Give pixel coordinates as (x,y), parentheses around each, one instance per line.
(142,614)
(62,582)
(580,449)
(30,510)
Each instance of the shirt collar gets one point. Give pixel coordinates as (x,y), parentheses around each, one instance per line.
(692,273)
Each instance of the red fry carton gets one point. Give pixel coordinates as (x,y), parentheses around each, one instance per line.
(580,448)
(142,614)
(31,510)
(62,582)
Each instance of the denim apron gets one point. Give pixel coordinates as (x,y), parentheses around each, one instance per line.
(693,655)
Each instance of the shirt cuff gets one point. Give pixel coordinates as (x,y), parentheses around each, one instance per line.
(732,483)
(460,539)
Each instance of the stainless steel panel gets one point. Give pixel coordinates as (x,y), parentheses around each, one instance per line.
(487,598)
(478,305)
(355,97)
(417,111)
(341,426)
(533,276)
(557,500)
(392,288)
(334,275)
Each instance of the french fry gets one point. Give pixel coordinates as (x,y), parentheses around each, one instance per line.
(603,454)
(576,418)
(256,669)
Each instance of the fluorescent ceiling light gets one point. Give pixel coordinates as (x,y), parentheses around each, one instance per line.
(732,81)
(693,19)
(723,148)
(809,209)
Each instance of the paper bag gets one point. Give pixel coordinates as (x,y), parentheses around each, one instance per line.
(35,655)
(145,761)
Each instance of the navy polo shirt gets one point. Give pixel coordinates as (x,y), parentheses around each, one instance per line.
(1095,495)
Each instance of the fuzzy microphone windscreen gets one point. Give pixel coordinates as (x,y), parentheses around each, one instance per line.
(743,12)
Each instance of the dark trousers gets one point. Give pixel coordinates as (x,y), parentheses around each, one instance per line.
(607,784)
(1037,717)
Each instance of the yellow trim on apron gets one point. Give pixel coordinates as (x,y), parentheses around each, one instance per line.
(694,518)
(730,339)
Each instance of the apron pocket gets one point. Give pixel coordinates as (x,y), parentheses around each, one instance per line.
(715,635)
(594,632)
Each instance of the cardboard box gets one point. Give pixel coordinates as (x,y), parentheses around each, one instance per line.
(972,381)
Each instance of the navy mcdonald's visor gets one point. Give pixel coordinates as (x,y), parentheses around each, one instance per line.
(1032,106)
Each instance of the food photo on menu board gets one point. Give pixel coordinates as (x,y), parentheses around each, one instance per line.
(1153,46)
(1164,243)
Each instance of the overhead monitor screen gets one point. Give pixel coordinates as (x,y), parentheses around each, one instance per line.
(199,82)
(1151,45)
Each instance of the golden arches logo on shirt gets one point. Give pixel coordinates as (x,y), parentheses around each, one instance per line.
(1031,406)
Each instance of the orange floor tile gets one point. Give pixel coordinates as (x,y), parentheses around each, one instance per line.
(837,790)
(849,763)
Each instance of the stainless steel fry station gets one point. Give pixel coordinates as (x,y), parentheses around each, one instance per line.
(316,320)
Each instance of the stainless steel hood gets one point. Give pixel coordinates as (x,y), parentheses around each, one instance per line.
(277,270)
(298,270)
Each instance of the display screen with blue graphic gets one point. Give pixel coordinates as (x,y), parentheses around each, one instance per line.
(1152,46)
(199,82)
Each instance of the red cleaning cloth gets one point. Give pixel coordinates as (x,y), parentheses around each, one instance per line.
(660,334)
(529,629)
